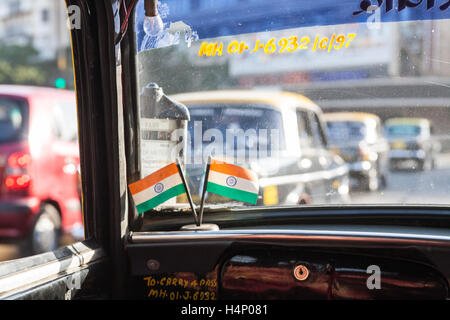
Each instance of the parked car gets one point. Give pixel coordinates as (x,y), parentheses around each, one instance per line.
(411,143)
(297,168)
(39,157)
(358,138)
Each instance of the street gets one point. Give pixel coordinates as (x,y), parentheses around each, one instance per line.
(412,187)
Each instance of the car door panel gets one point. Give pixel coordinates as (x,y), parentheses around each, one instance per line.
(63,274)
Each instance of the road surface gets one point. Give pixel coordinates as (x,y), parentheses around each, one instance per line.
(412,187)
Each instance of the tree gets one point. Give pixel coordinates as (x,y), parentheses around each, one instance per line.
(19,65)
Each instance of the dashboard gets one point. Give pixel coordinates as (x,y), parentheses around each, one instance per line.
(296,261)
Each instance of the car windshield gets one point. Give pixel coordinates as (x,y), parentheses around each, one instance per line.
(252,67)
(249,126)
(403,131)
(342,131)
(12,120)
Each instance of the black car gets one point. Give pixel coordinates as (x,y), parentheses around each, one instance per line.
(358,139)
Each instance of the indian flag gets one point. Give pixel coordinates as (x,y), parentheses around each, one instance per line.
(232,182)
(157,188)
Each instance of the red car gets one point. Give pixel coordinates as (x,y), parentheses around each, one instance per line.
(39,161)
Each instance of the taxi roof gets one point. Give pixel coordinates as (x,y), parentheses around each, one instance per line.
(410,121)
(350,116)
(278,99)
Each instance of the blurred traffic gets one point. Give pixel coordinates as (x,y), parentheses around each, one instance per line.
(358,139)
(279,135)
(39,157)
(412,144)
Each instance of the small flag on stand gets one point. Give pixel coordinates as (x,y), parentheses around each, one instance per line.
(231,181)
(157,188)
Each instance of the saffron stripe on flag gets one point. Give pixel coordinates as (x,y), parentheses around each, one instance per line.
(233,170)
(153,179)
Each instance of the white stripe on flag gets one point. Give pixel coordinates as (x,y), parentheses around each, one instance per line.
(150,193)
(242,184)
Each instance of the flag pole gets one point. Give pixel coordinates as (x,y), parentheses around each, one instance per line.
(188,193)
(205,184)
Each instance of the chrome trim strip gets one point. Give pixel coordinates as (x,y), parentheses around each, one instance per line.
(294,235)
(69,264)
(304,177)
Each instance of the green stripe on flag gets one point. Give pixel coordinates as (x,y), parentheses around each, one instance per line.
(231,193)
(161,198)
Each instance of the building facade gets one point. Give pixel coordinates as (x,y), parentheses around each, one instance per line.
(42,24)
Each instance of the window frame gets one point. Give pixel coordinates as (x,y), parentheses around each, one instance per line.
(97,264)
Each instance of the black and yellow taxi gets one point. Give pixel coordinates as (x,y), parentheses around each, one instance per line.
(357,137)
(411,143)
(279,135)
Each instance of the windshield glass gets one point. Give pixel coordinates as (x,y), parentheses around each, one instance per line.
(12,120)
(345,131)
(252,67)
(253,124)
(403,130)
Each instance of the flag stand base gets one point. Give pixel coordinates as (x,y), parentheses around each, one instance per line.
(203,227)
